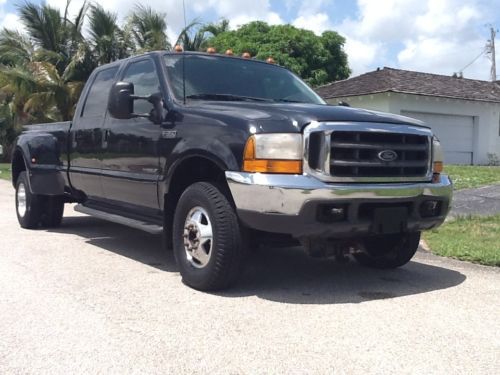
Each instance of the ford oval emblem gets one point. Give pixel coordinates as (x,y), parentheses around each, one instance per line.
(387,155)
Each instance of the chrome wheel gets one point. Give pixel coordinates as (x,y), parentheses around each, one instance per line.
(198,237)
(21,200)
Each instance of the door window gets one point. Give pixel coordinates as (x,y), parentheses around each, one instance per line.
(145,79)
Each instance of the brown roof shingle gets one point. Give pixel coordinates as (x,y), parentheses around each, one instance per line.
(408,82)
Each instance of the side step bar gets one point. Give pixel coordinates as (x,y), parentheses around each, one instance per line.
(137,224)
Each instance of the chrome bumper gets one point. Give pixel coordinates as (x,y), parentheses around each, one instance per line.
(293,204)
(287,194)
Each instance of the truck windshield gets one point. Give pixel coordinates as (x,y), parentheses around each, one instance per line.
(232,79)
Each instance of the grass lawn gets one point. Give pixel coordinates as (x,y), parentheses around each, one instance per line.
(470,176)
(5,171)
(476,239)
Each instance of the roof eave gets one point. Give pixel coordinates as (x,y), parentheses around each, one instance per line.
(413,93)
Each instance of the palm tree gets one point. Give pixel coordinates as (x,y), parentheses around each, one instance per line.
(15,48)
(217,28)
(148,29)
(42,72)
(108,40)
(191,39)
(56,37)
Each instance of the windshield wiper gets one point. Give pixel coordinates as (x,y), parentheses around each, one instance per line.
(228,97)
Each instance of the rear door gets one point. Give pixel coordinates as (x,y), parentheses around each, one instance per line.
(87,135)
(131,162)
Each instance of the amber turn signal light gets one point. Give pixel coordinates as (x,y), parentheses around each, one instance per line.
(438,167)
(253,165)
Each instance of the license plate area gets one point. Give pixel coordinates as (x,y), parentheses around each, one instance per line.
(390,220)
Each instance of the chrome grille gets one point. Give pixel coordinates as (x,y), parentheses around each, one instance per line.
(358,154)
(349,152)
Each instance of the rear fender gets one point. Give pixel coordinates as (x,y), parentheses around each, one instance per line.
(42,162)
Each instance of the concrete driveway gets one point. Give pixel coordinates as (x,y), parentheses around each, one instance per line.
(94,297)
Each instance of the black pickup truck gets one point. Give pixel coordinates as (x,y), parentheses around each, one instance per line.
(217,152)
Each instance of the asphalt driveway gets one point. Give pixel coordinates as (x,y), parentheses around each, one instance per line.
(95,297)
(481,201)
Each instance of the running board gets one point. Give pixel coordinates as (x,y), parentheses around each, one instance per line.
(137,224)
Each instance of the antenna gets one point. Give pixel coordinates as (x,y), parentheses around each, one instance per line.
(184,56)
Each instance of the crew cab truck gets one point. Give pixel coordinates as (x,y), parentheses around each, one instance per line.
(217,151)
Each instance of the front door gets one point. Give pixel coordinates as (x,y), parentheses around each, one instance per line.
(130,160)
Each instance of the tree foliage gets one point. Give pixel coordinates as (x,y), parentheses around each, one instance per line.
(317,59)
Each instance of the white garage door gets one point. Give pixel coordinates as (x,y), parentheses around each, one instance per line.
(456,134)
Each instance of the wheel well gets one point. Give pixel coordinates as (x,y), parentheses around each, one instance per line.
(18,165)
(194,169)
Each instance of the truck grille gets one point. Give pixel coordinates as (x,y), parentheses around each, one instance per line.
(378,154)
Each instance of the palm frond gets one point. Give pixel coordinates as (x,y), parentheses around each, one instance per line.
(148,28)
(15,48)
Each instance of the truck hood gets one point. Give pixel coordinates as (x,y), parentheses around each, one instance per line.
(283,117)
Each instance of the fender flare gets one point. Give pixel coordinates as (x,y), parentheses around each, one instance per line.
(41,155)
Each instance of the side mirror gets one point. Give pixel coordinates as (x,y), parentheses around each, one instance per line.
(121,102)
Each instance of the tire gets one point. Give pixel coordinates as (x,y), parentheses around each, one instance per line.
(207,242)
(28,206)
(389,251)
(53,211)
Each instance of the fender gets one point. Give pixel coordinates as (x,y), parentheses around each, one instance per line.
(42,160)
(214,151)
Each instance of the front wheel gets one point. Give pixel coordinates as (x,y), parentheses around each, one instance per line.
(206,238)
(389,251)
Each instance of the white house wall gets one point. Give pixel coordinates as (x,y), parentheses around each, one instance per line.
(486,115)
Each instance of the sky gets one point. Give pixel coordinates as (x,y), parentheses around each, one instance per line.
(434,36)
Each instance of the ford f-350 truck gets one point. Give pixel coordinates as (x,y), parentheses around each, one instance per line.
(217,152)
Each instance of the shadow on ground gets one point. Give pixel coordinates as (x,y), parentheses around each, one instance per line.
(285,275)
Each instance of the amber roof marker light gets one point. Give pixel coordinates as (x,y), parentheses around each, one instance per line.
(229,52)
(178,48)
(211,50)
(246,55)
(270,60)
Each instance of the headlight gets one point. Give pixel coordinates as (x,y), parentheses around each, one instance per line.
(437,156)
(273,153)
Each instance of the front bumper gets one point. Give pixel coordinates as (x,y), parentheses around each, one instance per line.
(292,204)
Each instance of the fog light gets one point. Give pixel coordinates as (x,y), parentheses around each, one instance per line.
(330,213)
(430,208)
